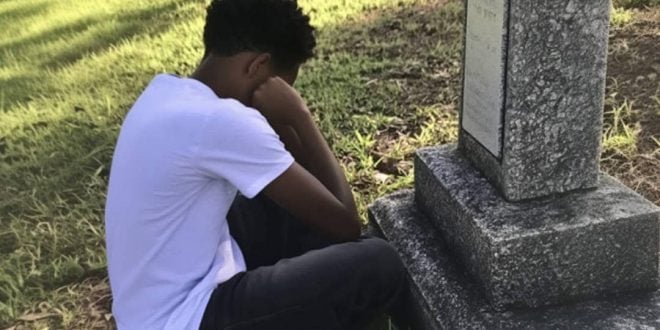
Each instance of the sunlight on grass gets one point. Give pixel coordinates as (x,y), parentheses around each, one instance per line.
(335,12)
(619,136)
(620,17)
(39,38)
(69,71)
(381,86)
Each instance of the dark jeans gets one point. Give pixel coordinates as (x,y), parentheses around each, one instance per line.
(297,280)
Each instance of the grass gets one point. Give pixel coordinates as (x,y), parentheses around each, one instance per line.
(384,82)
(632,110)
(635,3)
(620,17)
(70,71)
(621,133)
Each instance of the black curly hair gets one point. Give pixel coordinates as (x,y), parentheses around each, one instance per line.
(278,27)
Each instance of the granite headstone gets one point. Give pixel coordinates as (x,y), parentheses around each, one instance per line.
(515,226)
(532,111)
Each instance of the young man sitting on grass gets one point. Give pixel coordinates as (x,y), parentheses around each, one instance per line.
(185,251)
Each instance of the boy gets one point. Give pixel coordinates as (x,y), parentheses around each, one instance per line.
(184,250)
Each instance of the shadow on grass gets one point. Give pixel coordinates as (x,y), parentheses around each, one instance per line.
(62,165)
(13,90)
(64,45)
(25,11)
(58,166)
(56,177)
(405,57)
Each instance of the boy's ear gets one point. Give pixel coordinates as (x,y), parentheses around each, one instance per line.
(260,66)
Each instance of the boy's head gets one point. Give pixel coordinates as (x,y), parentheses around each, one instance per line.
(277,27)
(251,40)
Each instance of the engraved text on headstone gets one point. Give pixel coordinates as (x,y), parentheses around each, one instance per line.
(483,89)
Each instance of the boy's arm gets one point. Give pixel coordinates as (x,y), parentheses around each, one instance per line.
(317,193)
(292,142)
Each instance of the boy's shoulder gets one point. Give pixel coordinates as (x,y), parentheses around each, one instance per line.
(186,102)
(172,98)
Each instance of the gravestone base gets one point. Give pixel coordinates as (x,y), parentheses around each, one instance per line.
(446,297)
(548,251)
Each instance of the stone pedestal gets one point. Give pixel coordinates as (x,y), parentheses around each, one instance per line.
(446,296)
(543,252)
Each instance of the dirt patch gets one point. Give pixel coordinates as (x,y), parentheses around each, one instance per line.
(633,76)
(425,41)
(422,43)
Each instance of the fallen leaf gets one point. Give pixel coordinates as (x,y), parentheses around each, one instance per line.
(35,316)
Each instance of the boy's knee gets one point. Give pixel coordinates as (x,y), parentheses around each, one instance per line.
(383,258)
(381,247)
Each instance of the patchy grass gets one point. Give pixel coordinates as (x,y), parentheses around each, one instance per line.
(635,3)
(385,82)
(621,135)
(381,102)
(632,112)
(620,17)
(70,70)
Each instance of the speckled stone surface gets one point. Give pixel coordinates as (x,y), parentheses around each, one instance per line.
(541,252)
(448,299)
(555,83)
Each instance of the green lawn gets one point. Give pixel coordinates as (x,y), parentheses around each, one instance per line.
(384,82)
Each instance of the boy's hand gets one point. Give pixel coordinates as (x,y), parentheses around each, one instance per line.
(279,102)
(318,193)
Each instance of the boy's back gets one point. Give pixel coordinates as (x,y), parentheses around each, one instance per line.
(181,155)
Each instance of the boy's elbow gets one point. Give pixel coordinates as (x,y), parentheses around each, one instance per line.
(339,224)
(356,232)
(351,230)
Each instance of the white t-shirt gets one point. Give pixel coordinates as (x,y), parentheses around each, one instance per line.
(181,156)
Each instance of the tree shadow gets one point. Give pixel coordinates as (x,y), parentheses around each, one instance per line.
(65,45)
(13,90)
(25,11)
(417,48)
(56,151)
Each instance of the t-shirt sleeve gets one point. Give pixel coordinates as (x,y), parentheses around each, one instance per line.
(237,144)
